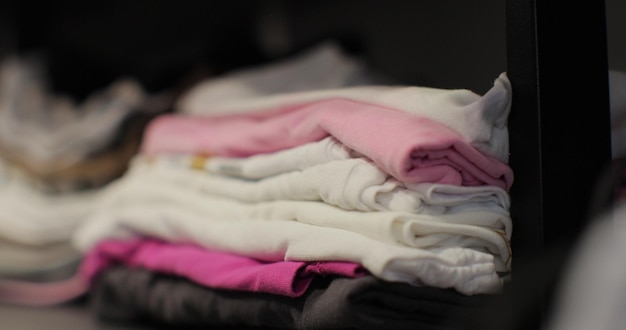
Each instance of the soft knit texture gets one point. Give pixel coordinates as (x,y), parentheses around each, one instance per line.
(411,148)
(320,68)
(352,184)
(124,295)
(213,269)
(477,229)
(32,218)
(270,164)
(467,270)
(480,120)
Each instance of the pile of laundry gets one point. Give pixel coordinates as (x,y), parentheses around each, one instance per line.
(303,195)
(57,155)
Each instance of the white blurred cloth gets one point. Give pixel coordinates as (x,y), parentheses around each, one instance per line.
(352,184)
(592,294)
(30,217)
(52,130)
(483,229)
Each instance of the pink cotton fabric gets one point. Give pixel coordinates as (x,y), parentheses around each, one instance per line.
(214,269)
(42,294)
(409,147)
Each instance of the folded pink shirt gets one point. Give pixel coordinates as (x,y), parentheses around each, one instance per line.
(409,147)
(214,269)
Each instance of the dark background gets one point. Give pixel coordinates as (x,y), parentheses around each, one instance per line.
(88,44)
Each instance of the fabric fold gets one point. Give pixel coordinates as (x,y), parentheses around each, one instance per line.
(480,120)
(475,229)
(364,303)
(213,269)
(410,148)
(468,271)
(352,184)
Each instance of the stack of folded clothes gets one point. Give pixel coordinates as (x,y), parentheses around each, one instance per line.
(56,155)
(341,207)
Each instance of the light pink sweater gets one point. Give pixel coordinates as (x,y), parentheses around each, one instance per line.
(409,147)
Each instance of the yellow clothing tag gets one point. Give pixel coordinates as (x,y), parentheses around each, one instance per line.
(198,162)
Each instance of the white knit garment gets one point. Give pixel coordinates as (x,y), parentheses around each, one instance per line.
(466,270)
(484,230)
(30,217)
(284,161)
(352,184)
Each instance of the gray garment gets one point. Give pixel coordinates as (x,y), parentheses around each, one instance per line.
(125,294)
(51,262)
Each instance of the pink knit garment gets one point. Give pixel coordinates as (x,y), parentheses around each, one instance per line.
(408,147)
(16,292)
(214,269)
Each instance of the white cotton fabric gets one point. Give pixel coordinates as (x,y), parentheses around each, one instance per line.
(322,67)
(480,120)
(351,184)
(466,270)
(462,198)
(32,218)
(288,160)
(480,229)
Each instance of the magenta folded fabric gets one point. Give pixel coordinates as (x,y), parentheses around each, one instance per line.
(409,147)
(214,269)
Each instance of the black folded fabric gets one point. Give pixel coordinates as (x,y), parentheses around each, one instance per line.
(132,295)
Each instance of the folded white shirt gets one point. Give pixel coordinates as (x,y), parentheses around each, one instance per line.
(284,161)
(481,229)
(352,184)
(466,270)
